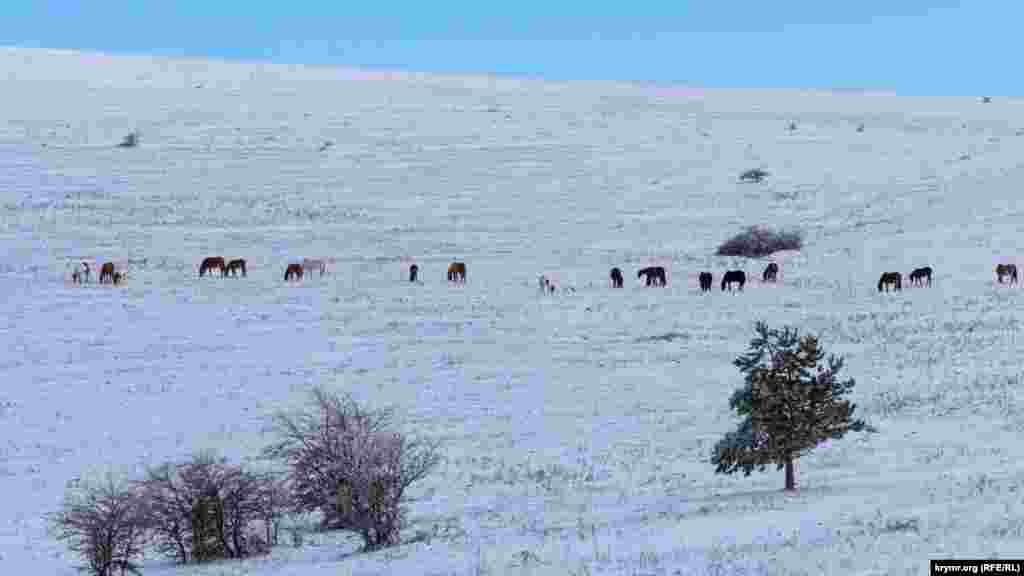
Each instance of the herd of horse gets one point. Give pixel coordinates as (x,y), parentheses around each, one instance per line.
(653,275)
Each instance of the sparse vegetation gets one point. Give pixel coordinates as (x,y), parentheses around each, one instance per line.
(104,524)
(788,409)
(753,175)
(204,509)
(757,242)
(130,141)
(345,463)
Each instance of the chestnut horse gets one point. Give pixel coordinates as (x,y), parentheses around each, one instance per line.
(616,276)
(293,271)
(890,279)
(734,276)
(107,271)
(770,273)
(655,275)
(1006,270)
(234,266)
(705,281)
(211,263)
(457,272)
(921,275)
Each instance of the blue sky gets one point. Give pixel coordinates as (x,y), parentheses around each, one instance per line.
(908,46)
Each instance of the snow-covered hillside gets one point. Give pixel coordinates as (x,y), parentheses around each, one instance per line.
(574,442)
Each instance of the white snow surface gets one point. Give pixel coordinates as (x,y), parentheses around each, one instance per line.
(574,442)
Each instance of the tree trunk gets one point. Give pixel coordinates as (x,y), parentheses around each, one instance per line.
(790,476)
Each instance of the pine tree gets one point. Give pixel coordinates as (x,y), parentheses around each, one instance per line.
(790,402)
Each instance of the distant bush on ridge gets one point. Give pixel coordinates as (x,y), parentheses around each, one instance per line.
(758,241)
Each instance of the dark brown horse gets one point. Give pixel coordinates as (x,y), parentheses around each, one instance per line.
(705,281)
(293,271)
(1003,270)
(414,271)
(890,279)
(616,276)
(211,263)
(734,277)
(234,266)
(771,273)
(921,275)
(655,275)
(107,272)
(457,272)
(118,278)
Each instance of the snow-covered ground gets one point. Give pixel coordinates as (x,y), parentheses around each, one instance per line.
(577,428)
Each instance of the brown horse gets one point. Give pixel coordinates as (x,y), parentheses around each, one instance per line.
(211,263)
(921,275)
(770,273)
(616,276)
(293,271)
(118,278)
(705,281)
(734,277)
(414,271)
(890,279)
(457,272)
(234,266)
(1006,270)
(107,271)
(655,275)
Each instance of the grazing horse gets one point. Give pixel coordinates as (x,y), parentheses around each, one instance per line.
(107,271)
(234,266)
(890,279)
(118,278)
(921,275)
(734,277)
(655,275)
(211,263)
(293,271)
(1006,270)
(414,271)
(616,276)
(770,273)
(309,265)
(705,281)
(457,272)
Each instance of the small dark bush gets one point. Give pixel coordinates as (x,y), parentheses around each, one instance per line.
(757,242)
(104,524)
(753,175)
(130,141)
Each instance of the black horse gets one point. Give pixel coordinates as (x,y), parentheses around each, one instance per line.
(655,275)
(771,273)
(414,270)
(1006,270)
(890,279)
(921,275)
(734,276)
(705,281)
(616,276)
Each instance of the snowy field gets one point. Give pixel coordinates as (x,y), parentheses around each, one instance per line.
(577,428)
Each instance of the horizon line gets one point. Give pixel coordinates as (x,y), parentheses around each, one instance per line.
(668,85)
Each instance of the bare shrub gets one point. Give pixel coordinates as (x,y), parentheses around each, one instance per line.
(758,241)
(347,465)
(205,509)
(104,524)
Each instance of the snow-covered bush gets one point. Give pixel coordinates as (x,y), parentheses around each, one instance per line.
(758,241)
